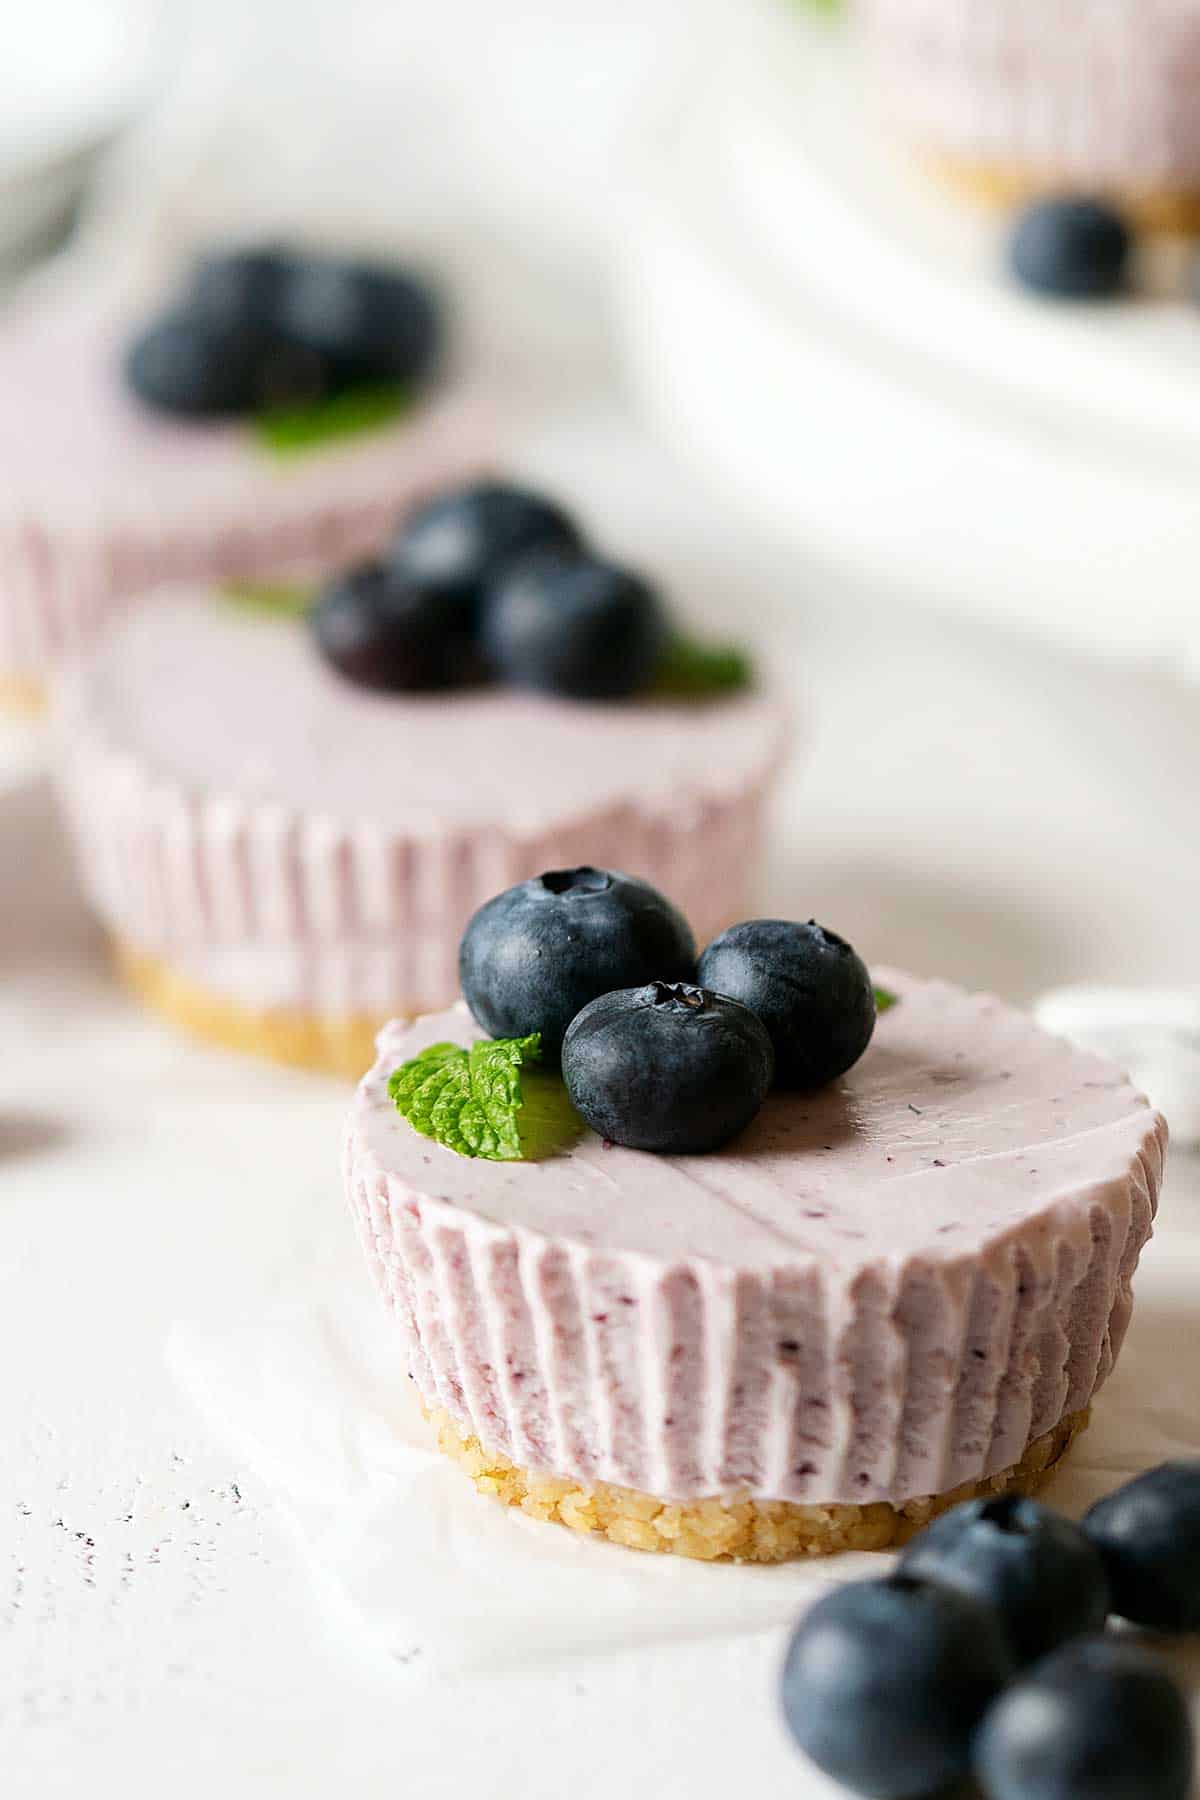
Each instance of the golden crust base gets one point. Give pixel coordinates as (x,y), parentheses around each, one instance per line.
(735,1529)
(23,695)
(998,184)
(306,1040)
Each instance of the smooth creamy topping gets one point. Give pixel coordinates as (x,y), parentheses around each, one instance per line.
(962,1123)
(69,413)
(225,703)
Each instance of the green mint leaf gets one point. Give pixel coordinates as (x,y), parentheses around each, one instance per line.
(693,671)
(483,1101)
(884,1000)
(271,599)
(291,430)
(547,1122)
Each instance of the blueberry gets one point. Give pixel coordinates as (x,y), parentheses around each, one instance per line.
(1036,1569)
(563,622)
(463,539)
(536,954)
(809,988)
(368,323)
(1148,1534)
(1098,1720)
(1074,249)
(669,1067)
(240,286)
(384,632)
(885,1682)
(187,364)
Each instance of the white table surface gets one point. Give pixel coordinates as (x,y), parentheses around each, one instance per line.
(964,804)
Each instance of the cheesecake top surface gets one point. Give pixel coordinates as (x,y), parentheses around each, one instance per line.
(228,703)
(75,440)
(963,1125)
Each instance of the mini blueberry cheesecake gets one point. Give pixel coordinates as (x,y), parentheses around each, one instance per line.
(285,820)
(740,1255)
(276,416)
(1017,97)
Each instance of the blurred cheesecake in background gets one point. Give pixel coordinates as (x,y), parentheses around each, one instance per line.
(285,817)
(1013,97)
(836,342)
(195,435)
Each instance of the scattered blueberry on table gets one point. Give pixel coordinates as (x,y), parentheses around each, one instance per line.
(1098,1720)
(1036,1569)
(668,1067)
(886,1681)
(870,1684)
(1148,1534)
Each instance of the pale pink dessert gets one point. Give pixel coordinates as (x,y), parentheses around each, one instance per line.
(1021,91)
(279,852)
(911,1281)
(103,499)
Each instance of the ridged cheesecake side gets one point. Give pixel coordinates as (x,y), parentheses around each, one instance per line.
(277,869)
(931,1356)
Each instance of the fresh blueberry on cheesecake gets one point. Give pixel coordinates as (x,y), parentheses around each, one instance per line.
(533,956)
(1033,1567)
(807,985)
(260,329)
(368,322)
(465,538)
(240,286)
(185,363)
(382,631)
(668,1067)
(564,622)
(1071,249)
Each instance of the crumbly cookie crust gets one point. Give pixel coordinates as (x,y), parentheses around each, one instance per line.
(734,1528)
(306,1040)
(1000,184)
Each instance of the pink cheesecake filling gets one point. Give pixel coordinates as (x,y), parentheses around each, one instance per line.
(103,499)
(289,839)
(877,1292)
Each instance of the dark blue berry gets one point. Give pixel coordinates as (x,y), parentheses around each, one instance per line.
(368,323)
(565,623)
(381,631)
(1098,1720)
(668,1067)
(536,954)
(1148,1534)
(462,540)
(1074,249)
(885,1683)
(1036,1569)
(190,365)
(809,988)
(240,286)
